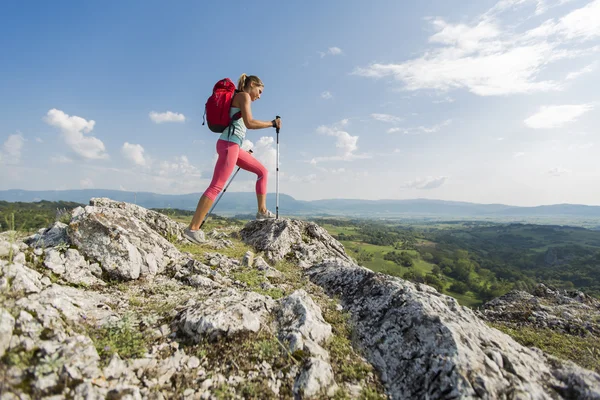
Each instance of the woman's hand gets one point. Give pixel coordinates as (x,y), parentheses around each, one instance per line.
(276,123)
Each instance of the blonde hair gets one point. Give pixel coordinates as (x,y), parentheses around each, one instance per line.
(246,80)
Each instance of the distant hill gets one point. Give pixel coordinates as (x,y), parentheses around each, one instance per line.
(245,202)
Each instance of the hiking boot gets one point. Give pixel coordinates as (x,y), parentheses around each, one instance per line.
(194,236)
(267,215)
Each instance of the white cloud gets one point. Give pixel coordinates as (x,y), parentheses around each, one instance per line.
(582,23)
(581,146)
(326,95)
(311,178)
(168,116)
(558,171)
(556,116)
(61,160)
(39,140)
(429,182)
(421,129)
(73,129)
(345,144)
(86,183)
(585,70)
(179,167)
(11,150)
(386,118)
(332,51)
(134,153)
(488,59)
(518,154)
(264,151)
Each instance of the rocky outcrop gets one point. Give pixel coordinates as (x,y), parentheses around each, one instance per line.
(563,311)
(107,306)
(304,242)
(427,346)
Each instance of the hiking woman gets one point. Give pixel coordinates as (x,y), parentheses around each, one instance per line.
(230,153)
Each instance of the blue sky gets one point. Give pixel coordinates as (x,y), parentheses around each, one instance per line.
(480,101)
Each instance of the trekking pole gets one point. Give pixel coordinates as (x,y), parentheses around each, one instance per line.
(277,181)
(221,195)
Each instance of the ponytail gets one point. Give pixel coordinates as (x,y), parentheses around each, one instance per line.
(245,80)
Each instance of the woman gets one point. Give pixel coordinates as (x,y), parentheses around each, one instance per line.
(249,88)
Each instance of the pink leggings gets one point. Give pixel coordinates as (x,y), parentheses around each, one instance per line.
(231,155)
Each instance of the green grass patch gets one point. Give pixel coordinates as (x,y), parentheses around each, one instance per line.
(122,337)
(584,351)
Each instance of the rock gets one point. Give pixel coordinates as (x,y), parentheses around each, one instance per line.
(203,282)
(125,246)
(427,346)
(160,223)
(54,261)
(304,241)
(225,313)
(566,312)
(78,271)
(87,391)
(52,236)
(7,324)
(269,271)
(19,258)
(315,378)
(193,362)
(299,313)
(23,278)
(248,259)
(116,368)
(76,305)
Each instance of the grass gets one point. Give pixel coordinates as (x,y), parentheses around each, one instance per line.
(584,351)
(245,352)
(122,337)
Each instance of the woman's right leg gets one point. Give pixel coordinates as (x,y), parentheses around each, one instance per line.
(228,155)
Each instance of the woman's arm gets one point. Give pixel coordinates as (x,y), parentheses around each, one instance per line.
(251,123)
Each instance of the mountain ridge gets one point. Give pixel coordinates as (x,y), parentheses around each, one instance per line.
(243,202)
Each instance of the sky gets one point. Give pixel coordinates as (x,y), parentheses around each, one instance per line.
(486,101)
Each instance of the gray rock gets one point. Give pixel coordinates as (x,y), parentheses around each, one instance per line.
(76,305)
(116,368)
(269,271)
(54,261)
(23,278)
(78,271)
(225,313)
(316,378)
(87,391)
(248,259)
(52,236)
(160,223)
(305,241)
(19,258)
(299,313)
(125,246)
(7,324)
(427,346)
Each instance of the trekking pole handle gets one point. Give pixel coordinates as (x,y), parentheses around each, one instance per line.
(277,117)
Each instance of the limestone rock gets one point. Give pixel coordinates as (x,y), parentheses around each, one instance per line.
(316,378)
(125,246)
(427,346)
(54,235)
(7,324)
(225,313)
(305,241)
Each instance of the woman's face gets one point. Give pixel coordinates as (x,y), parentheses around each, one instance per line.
(255,91)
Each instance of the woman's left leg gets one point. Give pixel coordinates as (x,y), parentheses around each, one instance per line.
(247,162)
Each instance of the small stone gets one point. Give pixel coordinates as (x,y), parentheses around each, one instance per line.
(193,362)
(207,384)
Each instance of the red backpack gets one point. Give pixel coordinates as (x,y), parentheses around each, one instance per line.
(218,104)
